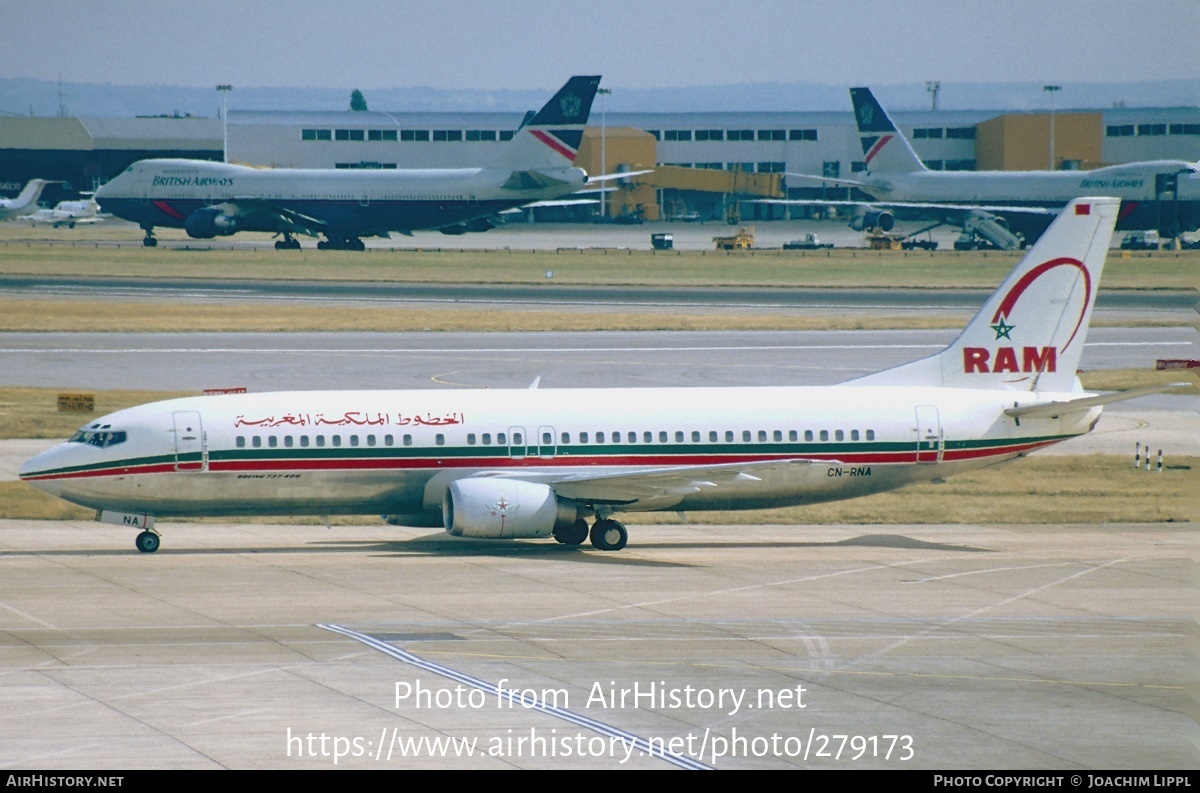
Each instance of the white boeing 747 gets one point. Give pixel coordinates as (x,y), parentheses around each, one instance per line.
(999,204)
(211,199)
(542,462)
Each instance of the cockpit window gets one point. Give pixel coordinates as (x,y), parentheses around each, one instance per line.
(100,438)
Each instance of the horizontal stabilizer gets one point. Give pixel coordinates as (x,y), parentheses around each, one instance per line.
(1054,409)
(530,180)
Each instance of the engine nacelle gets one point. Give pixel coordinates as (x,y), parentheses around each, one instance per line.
(873,219)
(209,222)
(504,509)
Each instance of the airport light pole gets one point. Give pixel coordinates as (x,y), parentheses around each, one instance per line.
(603,92)
(933,86)
(224,90)
(1052,90)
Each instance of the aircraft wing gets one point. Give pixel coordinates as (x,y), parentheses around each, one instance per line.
(906,206)
(610,176)
(290,220)
(655,488)
(557,202)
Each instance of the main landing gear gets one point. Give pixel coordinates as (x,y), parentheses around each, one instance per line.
(606,534)
(147,542)
(288,243)
(341,244)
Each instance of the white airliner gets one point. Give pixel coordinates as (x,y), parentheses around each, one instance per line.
(67,213)
(210,199)
(540,462)
(999,204)
(26,200)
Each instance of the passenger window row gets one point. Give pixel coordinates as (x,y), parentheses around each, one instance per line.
(547,438)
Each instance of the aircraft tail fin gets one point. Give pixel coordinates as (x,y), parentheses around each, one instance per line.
(550,139)
(885,149)
(1029,334)
(27,198)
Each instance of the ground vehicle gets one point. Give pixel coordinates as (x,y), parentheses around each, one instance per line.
(973,242)
(1140,241)
(809,243)
(912,244)
(662,242)
(743,240)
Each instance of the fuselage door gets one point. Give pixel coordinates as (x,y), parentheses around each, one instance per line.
(516,443)
(930,443)
(546,446)
(190,452)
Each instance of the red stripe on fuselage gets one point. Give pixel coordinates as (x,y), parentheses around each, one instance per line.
(167,209)
(533,461)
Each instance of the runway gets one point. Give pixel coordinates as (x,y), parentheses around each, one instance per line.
(930,647)
(283,361)
(1146,304)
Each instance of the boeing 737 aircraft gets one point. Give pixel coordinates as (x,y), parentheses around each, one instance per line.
(211,199)
(1026,200)
(541,462)
(25,202)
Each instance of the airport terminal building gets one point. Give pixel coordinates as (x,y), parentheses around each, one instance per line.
(85,152)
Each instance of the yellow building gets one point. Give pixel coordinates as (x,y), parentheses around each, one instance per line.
(1021,142)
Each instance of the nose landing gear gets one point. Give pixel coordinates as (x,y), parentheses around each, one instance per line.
(147,541)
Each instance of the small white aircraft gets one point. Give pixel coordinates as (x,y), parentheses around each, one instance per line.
(1005,207)
(211,199)
(25,202)
(67,213)
(540,462)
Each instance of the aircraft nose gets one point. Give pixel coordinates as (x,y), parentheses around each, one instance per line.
(36,471)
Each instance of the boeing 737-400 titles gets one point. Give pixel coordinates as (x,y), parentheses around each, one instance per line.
(210,199)
(542,462)
(999,205)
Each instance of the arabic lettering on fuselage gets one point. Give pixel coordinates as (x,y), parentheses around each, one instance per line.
(351,418)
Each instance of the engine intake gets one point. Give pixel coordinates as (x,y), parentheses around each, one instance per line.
(504,509)
(873,219)
(209,222)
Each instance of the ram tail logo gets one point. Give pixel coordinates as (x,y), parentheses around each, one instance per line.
(1027,358)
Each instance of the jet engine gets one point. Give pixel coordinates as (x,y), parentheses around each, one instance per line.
(209,222)
(504,509)
(873,219)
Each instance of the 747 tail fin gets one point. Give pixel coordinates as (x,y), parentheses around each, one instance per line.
(551,138)
(885,149)
(1029,334)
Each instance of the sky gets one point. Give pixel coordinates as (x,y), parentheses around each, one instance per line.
(534,44)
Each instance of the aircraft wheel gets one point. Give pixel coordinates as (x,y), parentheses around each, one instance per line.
(609,535)
(149,242)
(322,245)
(574,534)
(147,542)
(357,245)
